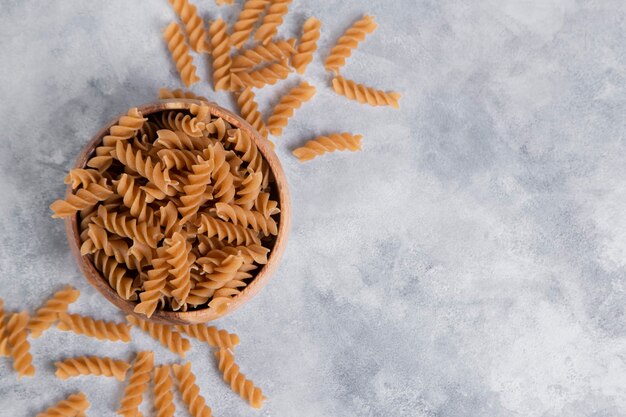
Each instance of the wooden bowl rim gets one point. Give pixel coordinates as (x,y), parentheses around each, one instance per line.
(96,279)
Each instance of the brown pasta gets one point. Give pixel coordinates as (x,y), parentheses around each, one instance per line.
(250,112)
(91,365)
(260,54)
(238,382)
(287,105)
(4,339)
(73,406)
(192,196)
(272,20)
(330,143)
(246,218)
(221,55)
(364,94)
(115,274)
(179,50)
(210,334)
(99,329)
(164,334)
(193,24)
(268,75)
(163,397)
(137,385)
(190,391)
(165,93)
(307,45)
(179,251)
(347,42)
(154,285)
(226,231)
(49,312)
(19,346)
(243,27)
(85,198)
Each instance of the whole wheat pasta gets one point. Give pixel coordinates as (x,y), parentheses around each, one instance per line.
(19,346)
(154,285)
(249,189)
(185,123)
(250,253)
(322,144)
(251,153)
(91,365)
(273,51)
(221,55)
(84,177)
(210,334)
(165,93)
(238,382)
(222,178)
(177,139)
(179,50)
(272,20)
(246,218)
(133,197)
(99,243)
(84,198)
(74,405)
(116,275)
(250,111)
(243,27)
(307,45)
(226,231)
(193,192)
(100,329)
(259,78)
(4,339)
(190,391)
(364,94)
(137,385)
(163,397)
(169,338)
(287,105)
(347,42)
(125,225)
(180,261)
(49,312)
(265,205)
(193,24)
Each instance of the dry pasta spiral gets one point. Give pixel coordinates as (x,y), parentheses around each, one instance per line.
(91,365)
(165,93)
(272,20)
(19,346)
(238,215)
(133,197)
(73,406)
(168,219)
(238,382)
(137,385)
(191,126)
(4,339)
(250,253)
(84,198)
(287,105)
(155,173)
(330,143)
(220,267)
(193,24)
(223,189)
(249,189)
(347,42)
(266,206)
(49,312)
(98,240)
(243,27)
(84,177)
(226,231)
(127,226)
(193,193)
(307,45)
(154,285)
(181,159)
(273,51)
(164,334)
(261,77)
(163,397)
(210,334)
(190,391)
(251,153)
(116,275)
(218,127)
(221,55)
(364,94)
(180,261)
(100,329)
(250,111)
(178,139)
(180,54)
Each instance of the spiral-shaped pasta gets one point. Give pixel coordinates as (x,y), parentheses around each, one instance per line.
(127,226)
(84,177)
(191,126)
(125,129)
(208,243)
(73,406)
(243,143)
(194,27)
(287,105)
(249,189)
(178,139)
(134,197)
(84,198)
(307,45)
(180,261)
(137,384)
(220,269)
(223,180)
(364,94)
(154,285)
(272,20)
(210,334)
(4,339)
(180,159)
(238,382)
(179,50)
(250,253)
(347,42)
(265,206)
(91,365)
(100,329)
(193,192)
(261,77)
(254,219)
(333,142)
(165,93)
(273,51)
(163,397)
(226,231)
(243,27)
(169,338)
(218,128)
(48,313)
(190,391)
(19,346)
(168,219)
(250,111)
(221,55)
(98,240)
(116,275)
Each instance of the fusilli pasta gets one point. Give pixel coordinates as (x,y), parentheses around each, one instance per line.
(73,406)
(19,346)
(116,275)
(261,77)
(254,219)
(179,50)
(165,93)
(91,365)
(307,45)
(210,334)
(347,42)
(154,285)
(164,334)
(193,24)
(238,382)
(84,198)
(180,261)
(100,329)
(190,391)
(226,231)
(49,312)
(287,105)
(364,94)
(250,111)
(330,143)
(243,27)
(272,20)
(221,55)
(163,397)
(137,385)
(273,51)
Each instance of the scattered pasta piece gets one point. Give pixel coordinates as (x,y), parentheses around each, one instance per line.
(238,382)
(221,55)
(268,75)
(210,335)
(91,365)
(165,334)
(272,20)
(364,94)
(287,105)
(307,45)
(74,405)
(250,111)
(330,143)
(4,339)
(247,20)
(49,312)
(99,329)
(179,50)
(194,27)
(137,385)
(347,42)
(163,397)
(19,346)
(260,54)
(190,391)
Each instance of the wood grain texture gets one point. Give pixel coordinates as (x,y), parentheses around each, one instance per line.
(277,247)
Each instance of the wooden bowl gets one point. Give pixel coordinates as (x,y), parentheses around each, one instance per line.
(96,279)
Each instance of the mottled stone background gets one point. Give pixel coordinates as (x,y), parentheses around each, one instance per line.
(471,261)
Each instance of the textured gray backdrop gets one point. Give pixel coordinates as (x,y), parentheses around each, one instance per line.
(471,261)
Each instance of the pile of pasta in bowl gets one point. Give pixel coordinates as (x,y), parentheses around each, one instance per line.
(178,210)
